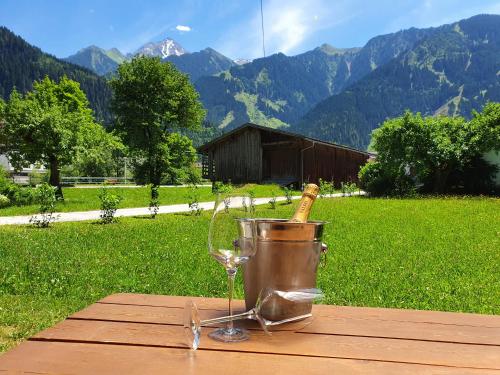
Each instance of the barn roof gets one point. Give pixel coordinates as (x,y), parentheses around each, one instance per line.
(206,146)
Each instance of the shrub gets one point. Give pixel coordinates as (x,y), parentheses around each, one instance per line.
(5,181)
(4,201)
(193,175)
(46,197)
(17,195)
(37,178)
(381,181)
(20,196)
(109,205)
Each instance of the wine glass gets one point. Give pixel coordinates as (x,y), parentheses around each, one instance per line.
(231,241)
(193,323)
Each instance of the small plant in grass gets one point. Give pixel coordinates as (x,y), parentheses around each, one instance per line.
(219,187)
(193,197)
(109,205)
(324,188)
(288,194)
(4,201)
(348,188)
(251,195)
(46,197)
(353,188)
(272,201)
(223,189)
(227,204)
(154,202)
(343,188)
(331,187)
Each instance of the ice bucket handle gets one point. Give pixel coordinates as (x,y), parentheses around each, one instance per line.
(324,251)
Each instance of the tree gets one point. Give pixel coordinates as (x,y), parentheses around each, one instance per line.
(46,125)
(151,99)
(98,152)
(181,157)
(433,153)
(2,123)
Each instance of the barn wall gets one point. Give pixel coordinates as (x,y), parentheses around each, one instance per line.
(330,162)
(254,155)
(239,158)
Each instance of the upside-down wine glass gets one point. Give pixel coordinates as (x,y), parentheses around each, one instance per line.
(193,323)
(231,242)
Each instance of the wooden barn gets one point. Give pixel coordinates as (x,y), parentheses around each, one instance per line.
(254,153)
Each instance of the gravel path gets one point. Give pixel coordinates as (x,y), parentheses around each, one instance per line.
(139,211)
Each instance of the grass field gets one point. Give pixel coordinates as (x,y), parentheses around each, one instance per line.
(439,254)
(78,199)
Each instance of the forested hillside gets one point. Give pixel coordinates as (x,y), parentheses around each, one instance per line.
(22,63)
(275,90)
(278,90)
(451,71)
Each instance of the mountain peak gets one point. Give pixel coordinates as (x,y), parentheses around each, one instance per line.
(164,48)
(331,50)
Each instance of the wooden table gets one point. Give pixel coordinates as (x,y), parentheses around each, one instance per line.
(143,334)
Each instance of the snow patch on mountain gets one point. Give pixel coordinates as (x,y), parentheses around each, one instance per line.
(163,49)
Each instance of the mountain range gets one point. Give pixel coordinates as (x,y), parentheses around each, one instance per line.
(205,62)
(452,70)
(333,94)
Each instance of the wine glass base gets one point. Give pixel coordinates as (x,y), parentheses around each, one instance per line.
(229,335)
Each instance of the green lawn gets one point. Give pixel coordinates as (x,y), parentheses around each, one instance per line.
(78,199)
(439,254)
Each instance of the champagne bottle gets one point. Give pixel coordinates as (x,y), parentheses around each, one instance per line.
(308,196)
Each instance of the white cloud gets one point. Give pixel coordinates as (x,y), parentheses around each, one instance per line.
(183,28)
(288,24)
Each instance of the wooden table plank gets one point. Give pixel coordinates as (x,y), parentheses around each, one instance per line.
(371,313)
(165,315)
(289,343)
(170,301)
(322,323)
(76,358)
(407,315)
(405,330)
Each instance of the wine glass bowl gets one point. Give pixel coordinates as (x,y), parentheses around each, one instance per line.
(242,248)
(193,324)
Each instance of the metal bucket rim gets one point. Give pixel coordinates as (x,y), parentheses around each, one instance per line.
(285,221)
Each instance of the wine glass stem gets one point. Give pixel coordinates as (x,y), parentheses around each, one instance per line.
(231,274)
(224,319)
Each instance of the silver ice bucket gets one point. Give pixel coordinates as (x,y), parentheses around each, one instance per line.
(287,258)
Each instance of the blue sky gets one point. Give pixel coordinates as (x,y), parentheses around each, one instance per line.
(231,27)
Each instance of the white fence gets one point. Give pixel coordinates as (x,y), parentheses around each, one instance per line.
(96,180)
